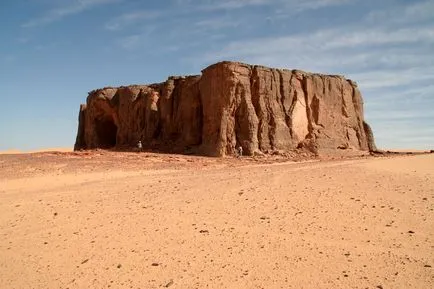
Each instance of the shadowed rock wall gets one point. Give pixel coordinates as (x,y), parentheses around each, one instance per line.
(231,104)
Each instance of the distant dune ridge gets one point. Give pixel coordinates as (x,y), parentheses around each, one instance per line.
(231,104)
(16,151)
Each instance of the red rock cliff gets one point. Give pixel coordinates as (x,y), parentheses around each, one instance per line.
(231,104)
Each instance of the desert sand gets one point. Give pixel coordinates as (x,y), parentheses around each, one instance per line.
(127,220)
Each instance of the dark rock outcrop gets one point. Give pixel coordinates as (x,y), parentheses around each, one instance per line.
(231,104)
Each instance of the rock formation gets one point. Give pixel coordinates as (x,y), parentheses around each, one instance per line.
(231,104)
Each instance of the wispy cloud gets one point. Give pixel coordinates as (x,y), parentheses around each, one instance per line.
(58,13)
(183,9)
(135,41)
(217,23)
(418,94)
(316,4)
(222,4)
(130,42)
(358,49)
(130,18)
(375,79)
(239,4)
(380,36)
(404,14)
(326,40)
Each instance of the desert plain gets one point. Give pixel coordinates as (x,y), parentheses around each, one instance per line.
(103,219)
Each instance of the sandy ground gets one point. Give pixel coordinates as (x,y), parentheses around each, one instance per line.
(125,220)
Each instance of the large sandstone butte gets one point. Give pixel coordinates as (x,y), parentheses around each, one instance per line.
(231,104)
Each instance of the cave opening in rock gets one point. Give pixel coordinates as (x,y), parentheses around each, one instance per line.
(106,131)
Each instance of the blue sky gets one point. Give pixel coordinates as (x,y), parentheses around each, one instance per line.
(52,52)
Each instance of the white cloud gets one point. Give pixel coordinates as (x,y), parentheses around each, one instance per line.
(138,40)
(217,23)
(374,36)
(59,13)
(295,5)
(408,13)
(223,4)
(370,80)
(418,94)
(327,40)
(130,18)
(184,9)
(373,56)
(316,4)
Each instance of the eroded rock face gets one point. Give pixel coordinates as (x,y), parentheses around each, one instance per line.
(231,104)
